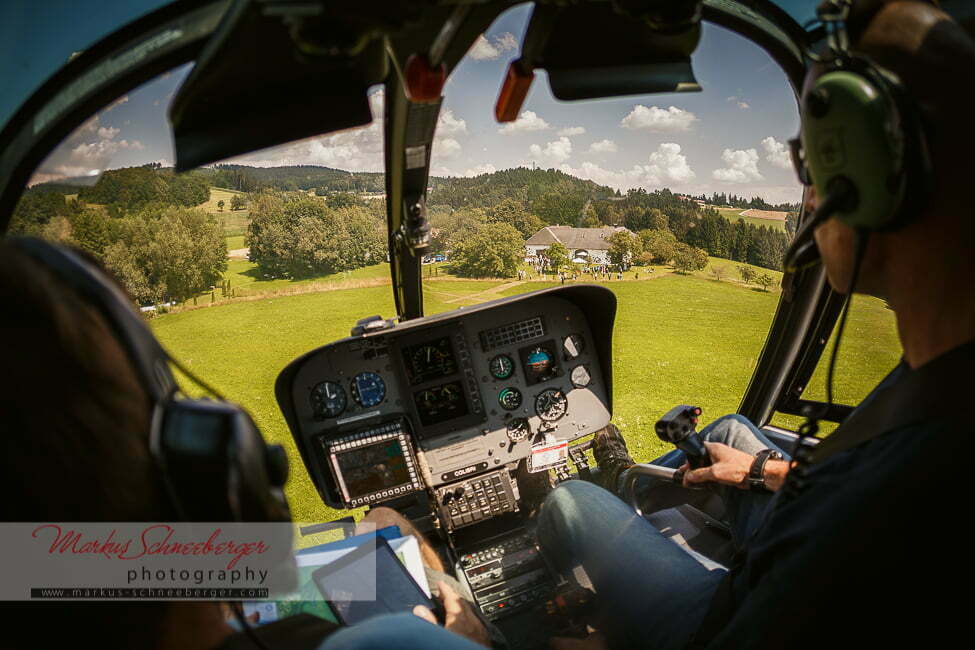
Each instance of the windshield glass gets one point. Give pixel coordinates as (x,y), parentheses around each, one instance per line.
(40,37)
(681,204)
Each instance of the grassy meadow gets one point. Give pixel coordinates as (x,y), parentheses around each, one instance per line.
(734,214)
(678,339)
(234,221)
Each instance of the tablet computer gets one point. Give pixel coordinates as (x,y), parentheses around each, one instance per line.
(369,581)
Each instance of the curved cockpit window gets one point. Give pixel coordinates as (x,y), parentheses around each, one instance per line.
(682,204)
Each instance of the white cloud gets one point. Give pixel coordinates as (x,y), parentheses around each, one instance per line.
(489,50)
(739,102)
(742,166)
(506,42)
(477,170)
(482,50)
(557,151)
(88,151)
(777,153)
(603,146)
(666,167)
(658,120)
(527,121)
(446,148)
(572,130)
(447,124)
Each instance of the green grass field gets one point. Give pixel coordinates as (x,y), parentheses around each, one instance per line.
(733,215)
(234,221)
(678,339)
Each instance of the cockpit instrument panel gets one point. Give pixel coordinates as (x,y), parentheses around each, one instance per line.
(427,402)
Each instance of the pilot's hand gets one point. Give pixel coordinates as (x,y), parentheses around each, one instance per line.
(729,466)
(459,617)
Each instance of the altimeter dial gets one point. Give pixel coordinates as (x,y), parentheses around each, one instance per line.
(551,404)
(518,430)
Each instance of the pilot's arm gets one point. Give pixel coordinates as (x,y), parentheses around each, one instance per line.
(730,466)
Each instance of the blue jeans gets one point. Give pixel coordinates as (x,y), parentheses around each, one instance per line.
(654,592)
(657,593)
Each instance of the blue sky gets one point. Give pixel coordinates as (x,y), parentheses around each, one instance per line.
(729,138)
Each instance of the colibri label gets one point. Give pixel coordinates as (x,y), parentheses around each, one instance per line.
(463,471)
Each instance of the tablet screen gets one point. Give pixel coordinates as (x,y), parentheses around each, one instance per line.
(369,581)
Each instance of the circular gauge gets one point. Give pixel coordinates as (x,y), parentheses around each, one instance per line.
(573,346)
(518,430)
(429,361)
(509,398)
(551,404)
(580,377)
(539,361)
(328,400)
(502,366)
(368,389)
(450,393)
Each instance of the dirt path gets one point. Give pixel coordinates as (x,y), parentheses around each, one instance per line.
(238,253)
(482,295)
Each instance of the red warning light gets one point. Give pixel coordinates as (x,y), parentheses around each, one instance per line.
(424,83)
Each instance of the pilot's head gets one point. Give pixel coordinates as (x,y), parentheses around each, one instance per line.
(933,57)
(74,424)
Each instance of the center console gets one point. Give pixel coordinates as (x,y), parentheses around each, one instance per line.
(443,414)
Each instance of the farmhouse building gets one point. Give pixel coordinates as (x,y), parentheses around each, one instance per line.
(588,244)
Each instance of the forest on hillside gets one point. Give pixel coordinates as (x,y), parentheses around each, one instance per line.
(145,221)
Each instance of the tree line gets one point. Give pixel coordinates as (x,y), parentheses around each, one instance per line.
(755,203)
(132,188)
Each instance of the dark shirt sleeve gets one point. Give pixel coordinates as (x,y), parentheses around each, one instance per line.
(865,554)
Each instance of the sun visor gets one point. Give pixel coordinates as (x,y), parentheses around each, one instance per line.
(593,51)
(268,77)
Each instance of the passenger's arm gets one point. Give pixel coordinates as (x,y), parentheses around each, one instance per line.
(459,617)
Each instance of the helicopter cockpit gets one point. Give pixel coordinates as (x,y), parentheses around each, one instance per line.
(464,420)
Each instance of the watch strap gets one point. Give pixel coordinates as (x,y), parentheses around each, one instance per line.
(756,474)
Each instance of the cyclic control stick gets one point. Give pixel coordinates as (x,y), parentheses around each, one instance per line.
(677,427)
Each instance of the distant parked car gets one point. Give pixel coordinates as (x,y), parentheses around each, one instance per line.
(439,258)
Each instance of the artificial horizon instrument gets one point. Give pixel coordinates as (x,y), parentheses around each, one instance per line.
(460,421)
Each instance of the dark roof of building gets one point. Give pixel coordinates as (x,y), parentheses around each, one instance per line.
(574,238)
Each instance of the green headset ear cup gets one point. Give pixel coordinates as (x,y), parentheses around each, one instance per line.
(851,128)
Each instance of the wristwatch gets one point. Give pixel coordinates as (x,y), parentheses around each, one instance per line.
(756,475)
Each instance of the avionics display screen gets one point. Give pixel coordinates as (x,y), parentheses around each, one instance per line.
(370,469)
(429,360)
(440,403)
